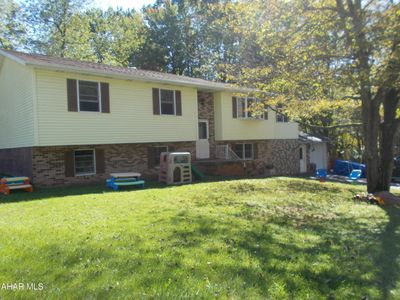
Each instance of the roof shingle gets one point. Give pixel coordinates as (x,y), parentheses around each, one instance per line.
(66,64)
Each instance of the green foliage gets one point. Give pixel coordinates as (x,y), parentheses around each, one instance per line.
(246,239)
(55,27)
(116,37)
(12,29)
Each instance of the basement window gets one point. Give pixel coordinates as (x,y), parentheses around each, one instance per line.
(84,162)
(244,151)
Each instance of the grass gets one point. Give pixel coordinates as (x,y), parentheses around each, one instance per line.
(266,238)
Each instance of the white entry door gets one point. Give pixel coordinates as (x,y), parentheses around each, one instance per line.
(202,144)
(303,165)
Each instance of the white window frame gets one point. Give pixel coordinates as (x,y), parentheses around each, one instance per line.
(94,163)
(159,97)
(281,118)
(208,129)
(79,100)
(246,101)
(244,150)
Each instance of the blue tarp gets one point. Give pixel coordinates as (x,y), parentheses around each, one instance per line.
(343,167)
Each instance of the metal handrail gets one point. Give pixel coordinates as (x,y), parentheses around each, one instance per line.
(225,152)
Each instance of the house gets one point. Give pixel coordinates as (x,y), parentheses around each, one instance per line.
(318,150)
(64,121)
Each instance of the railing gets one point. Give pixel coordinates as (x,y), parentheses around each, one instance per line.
(225,152)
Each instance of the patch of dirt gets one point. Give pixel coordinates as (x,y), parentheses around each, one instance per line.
(380,198)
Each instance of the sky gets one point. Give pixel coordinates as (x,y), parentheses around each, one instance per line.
(136,4)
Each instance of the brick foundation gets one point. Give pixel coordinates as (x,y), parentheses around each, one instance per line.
(46,165)
(273,157)
(49,167)
(205,103)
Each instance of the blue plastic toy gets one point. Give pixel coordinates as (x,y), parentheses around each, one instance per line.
(355,175)
(321,174)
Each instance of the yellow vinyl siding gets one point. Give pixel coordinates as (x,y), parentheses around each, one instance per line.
(130,120)
(230,129)
(17,125)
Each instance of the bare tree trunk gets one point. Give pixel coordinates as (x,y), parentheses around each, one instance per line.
(370,115)
(389,128)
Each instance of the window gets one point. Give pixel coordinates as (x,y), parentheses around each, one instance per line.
(167,102)
(266,113)
(244,107)
(203,130)
(244,151)
(156,154)
(280,117)
(89,96)
(84,162)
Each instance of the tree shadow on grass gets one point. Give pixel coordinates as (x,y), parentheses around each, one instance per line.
(324,259)
(388,256)
(59,192)
(346,258)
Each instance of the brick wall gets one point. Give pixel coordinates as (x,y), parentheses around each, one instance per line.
(273,157)
(205,102)
(48,163)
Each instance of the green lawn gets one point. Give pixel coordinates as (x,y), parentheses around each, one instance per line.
(277,238)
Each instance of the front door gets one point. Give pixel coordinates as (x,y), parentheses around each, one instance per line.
(303,165)
(202,144)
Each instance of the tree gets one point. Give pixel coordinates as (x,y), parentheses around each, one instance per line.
(54,27)
(171,37)
(116,36)
(12,29)
(331,50)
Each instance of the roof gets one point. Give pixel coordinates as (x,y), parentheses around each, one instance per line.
(304,137)
(65,64)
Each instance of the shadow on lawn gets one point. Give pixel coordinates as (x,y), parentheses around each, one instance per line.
(389,253)
(44,193)
(348,258)
(339,259)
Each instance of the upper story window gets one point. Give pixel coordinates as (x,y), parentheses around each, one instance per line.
(249,108)
(89,95)
(167,102)
(280,117)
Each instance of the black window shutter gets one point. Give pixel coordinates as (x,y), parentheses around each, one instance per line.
(265,112)
(234,107)
(105,97)
(156,101)
(69,164)
(72,95)
(100,161)
(178,98)
(151,157)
